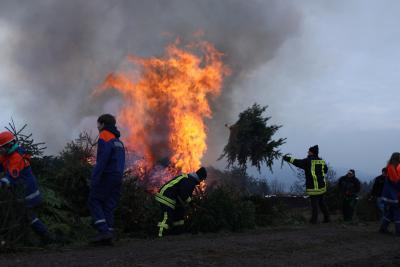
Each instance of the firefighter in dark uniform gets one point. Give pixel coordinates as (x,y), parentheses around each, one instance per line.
(315,170)
(173,197)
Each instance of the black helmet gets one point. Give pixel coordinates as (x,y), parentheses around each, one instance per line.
(202,173)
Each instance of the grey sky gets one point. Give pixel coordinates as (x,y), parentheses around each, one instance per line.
(328,70)
(336,84)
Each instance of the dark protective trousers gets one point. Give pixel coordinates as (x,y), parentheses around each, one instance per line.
(33,199)
(171,221)
(103,200)
(318,201)
(36,224)
(391,214)
(348,207)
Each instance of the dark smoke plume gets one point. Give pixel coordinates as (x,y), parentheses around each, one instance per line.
(64,49)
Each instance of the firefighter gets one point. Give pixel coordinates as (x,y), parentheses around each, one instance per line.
(15,164)
(315,170)
(377,188)
(390,193)
(173,198)
(106,179)
(349,187)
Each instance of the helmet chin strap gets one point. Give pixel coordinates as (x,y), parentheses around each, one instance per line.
(12,149)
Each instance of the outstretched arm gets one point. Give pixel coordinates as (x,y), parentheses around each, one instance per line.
(299,163)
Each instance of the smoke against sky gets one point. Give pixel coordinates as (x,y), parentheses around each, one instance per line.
(63,49)
(327,69)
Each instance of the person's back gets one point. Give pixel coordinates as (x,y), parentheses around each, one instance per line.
(315,170)
(178,189)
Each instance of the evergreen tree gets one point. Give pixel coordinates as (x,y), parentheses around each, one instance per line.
(250,140)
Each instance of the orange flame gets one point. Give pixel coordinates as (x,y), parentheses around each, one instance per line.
(165,102)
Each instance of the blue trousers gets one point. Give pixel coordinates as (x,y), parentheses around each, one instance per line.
(391,214)
(36,224)
(103,201)
(33,199)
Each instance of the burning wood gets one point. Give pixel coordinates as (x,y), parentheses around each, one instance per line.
(165,102)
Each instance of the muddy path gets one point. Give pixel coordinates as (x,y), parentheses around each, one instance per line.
(322,245)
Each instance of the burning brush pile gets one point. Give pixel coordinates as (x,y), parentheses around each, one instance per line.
(165,102)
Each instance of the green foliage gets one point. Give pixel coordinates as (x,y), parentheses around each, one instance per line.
(25,140)
(138,212)
(265,211)
(73,172)
(13,224)
(237,178)
(222,208)
(250,140)
(278,211)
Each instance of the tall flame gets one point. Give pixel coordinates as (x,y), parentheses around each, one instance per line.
(165,102)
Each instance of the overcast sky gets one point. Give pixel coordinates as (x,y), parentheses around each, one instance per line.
(329,70)
(336,84)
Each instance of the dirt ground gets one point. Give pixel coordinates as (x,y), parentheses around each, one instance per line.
(331,244)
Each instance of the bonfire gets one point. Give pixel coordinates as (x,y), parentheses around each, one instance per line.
(165,102)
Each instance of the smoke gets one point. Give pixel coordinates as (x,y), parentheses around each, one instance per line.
(64,49)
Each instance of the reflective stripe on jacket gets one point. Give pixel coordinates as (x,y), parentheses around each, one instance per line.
(176,191)
(315,170)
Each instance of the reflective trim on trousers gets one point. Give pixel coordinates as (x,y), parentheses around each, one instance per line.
(100,221)
(34,220)
(33,195)
(179,223)
(390,200)
(5,180)
(163,225)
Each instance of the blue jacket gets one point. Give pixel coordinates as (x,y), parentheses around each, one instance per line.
(110,161)
(391,187)
(18,172)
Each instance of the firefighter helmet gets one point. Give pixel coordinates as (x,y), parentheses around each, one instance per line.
(6,137)
(202,173)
